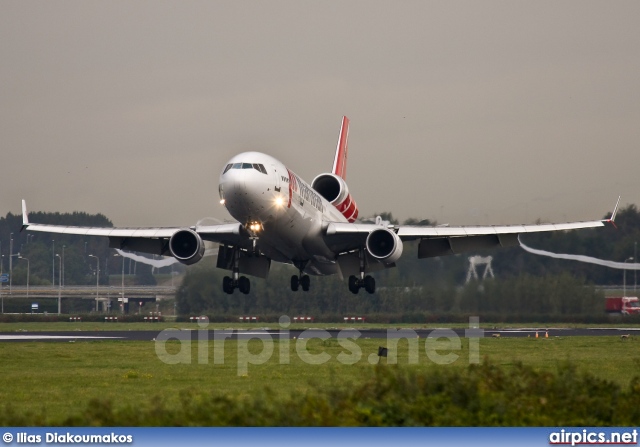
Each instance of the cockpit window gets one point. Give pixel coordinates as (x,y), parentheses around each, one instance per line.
(257,166)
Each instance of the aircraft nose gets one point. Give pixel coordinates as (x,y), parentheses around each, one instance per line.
(243,192)
(247,192)
(233,184)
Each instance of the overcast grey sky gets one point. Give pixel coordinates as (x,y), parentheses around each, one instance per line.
(471,112)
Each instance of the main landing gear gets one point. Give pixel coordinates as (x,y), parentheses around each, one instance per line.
(300,280)
(236,282)
(368,282)
(242,283)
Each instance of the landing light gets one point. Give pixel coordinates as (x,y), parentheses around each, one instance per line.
(279,201)
(255,226)
(222,202)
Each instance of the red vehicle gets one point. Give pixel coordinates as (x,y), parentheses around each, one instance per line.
(626,305)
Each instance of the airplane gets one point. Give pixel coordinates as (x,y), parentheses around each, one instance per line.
(282,218)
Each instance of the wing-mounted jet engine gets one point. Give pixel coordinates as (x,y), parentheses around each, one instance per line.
(384,245)
(187,246)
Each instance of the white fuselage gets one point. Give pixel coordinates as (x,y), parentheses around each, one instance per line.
(258,189)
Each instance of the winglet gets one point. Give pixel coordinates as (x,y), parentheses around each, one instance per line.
(340,161)
(612,219)
(25,216)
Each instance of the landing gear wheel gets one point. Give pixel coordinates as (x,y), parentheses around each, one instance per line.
(369,284)
(354,287)
(295,283)
(227,285)
(244,284)
(305,282)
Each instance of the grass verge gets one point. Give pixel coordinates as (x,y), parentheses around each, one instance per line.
(126,383)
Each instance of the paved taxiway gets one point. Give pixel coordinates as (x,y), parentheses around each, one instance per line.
(309,333)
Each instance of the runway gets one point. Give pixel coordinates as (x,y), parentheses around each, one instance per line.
(236,334)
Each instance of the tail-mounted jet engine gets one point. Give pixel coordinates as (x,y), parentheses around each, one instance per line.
(334,189)
(384,245)
(186,246)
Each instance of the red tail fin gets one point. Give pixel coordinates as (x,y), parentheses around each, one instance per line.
(340,162)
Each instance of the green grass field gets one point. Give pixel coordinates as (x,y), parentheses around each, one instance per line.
(52,381)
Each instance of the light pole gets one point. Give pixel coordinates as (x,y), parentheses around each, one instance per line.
(97,277)
(28,270)
(1,284)
(59,285)
(624,277)
(10,261)
(53,262)
(635,255)
(122,280)
(62,283)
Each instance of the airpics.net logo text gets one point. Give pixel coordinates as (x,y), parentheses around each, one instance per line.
(441,346)
(592,437)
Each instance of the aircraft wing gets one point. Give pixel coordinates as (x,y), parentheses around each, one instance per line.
(446,240)
(146,240)
(440,241)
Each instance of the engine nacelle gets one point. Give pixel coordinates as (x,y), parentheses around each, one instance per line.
(186,246)
(334,189)
(384,245)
